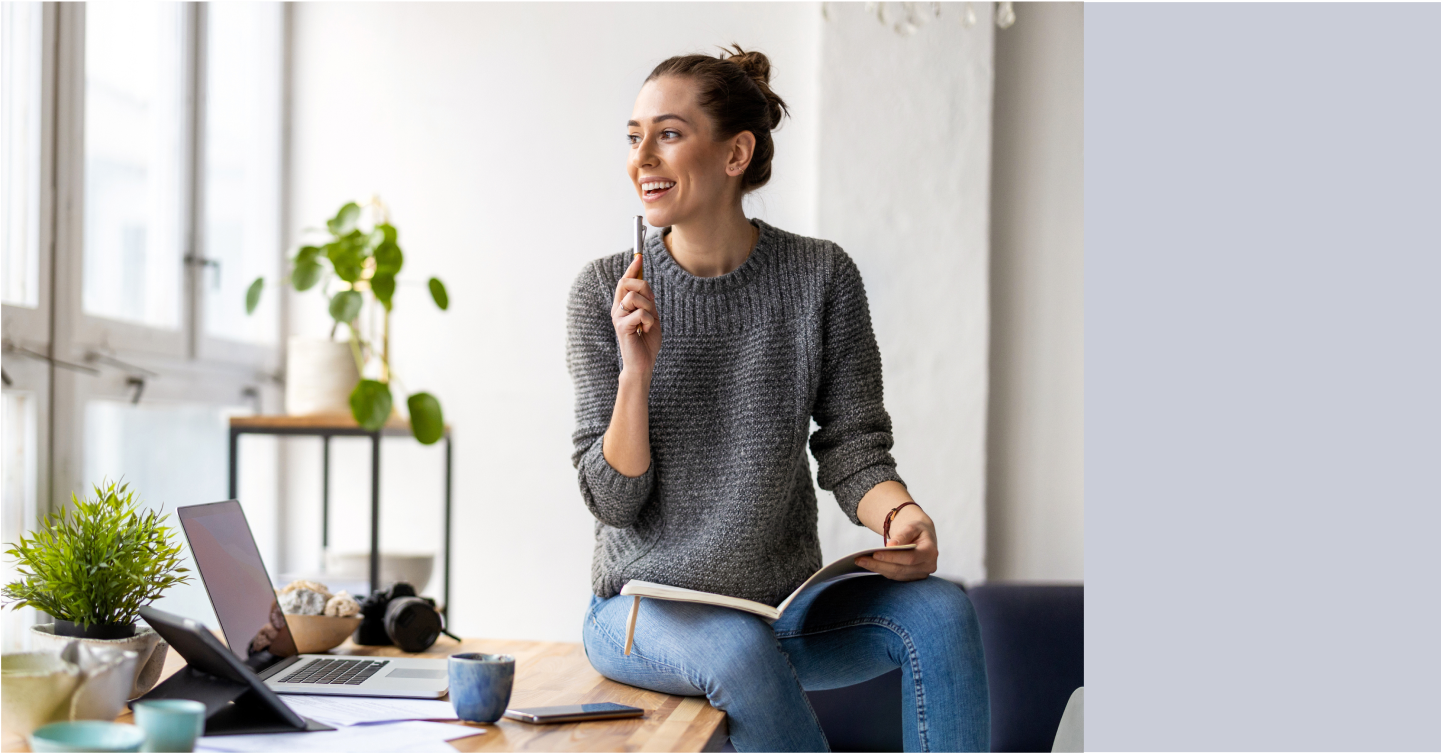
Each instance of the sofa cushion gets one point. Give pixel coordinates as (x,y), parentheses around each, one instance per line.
(1034,638)
(865,716)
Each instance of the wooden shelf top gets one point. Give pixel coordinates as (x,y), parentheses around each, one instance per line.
(312,421)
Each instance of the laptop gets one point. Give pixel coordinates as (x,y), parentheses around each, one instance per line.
(255,629)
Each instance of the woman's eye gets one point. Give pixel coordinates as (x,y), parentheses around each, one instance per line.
(632,138)
(671,134)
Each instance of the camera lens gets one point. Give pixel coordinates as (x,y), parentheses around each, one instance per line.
(412,623)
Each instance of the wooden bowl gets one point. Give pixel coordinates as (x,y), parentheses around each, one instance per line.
(315,634)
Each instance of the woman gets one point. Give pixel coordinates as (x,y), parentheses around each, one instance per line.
(692,456)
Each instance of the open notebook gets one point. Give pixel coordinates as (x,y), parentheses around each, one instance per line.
(844,567)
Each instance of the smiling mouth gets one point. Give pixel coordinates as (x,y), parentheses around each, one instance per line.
(652,190)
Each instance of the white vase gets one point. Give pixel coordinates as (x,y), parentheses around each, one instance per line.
(319,376)
(107,679)
(150,651)
(36,686)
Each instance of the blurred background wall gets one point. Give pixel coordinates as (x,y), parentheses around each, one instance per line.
(1035,478)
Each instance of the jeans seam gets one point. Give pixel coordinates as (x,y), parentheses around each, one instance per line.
(911,655)
(603,632)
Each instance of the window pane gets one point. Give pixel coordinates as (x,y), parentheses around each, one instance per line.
(20,152)
(19,480)
(174,455)
(242,167)
(134,152)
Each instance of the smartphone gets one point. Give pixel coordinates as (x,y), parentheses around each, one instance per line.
(583,712)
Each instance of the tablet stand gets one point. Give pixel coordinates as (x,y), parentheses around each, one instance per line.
(231,708)
(236,700)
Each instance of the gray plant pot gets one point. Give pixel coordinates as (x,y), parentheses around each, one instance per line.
(96,631)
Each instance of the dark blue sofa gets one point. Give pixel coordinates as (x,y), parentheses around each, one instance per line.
(1034,639)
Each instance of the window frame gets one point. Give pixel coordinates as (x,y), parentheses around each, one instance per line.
(206,347)
(183,365)
(25,326)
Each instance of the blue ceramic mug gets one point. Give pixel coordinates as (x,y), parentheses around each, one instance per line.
(170,724)
(480,685)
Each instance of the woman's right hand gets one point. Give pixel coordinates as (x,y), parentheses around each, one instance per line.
(634,307)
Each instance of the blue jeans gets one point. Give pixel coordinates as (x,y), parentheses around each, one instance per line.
(848,632)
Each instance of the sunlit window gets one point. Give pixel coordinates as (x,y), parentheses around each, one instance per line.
(242,167)
(18,481)
(135,107)
(20,104)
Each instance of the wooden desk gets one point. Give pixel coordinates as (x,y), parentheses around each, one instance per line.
(552,674)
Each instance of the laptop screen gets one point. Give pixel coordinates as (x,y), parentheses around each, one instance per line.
(240,590)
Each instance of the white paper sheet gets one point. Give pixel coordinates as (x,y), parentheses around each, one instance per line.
(415,737)
(350,710)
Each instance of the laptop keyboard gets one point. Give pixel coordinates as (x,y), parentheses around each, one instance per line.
(335,672)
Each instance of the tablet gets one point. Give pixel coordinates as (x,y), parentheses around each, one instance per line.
(236,700)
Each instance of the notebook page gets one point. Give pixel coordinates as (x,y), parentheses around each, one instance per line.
(841,567)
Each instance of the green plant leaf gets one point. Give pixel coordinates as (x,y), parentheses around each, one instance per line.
(388,258)
(346,258)
(359,243)
(344,220)
(426,420)
(252,296)
(437,291)
(387,231)
(306,274)
(370,403)
(383,285)
(308,253)
(345,306)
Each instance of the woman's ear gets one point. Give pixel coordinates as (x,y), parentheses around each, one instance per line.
(743,146)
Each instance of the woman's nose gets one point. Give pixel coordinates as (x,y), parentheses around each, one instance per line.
(645,153)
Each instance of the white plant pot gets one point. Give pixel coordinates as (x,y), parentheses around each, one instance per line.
(412,567)
(319,376)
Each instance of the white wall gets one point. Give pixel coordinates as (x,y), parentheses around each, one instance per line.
(495,132)
(904,172)
(1035,502)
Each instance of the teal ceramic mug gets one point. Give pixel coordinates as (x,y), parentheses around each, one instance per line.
(480,685)
(170,724)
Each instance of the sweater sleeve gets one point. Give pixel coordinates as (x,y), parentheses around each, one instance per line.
(593,357)
(852,446)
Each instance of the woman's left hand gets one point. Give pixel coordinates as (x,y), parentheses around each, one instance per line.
(910,526)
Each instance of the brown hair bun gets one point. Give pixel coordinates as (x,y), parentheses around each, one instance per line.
(758,67)
(734,91)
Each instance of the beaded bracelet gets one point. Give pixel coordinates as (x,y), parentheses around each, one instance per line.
(886,529)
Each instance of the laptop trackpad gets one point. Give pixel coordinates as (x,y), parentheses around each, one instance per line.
(401,673)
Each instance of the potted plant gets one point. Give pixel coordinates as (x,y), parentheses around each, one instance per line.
(355,264)
(92,567)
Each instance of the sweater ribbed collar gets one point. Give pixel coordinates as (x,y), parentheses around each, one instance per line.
(750,269)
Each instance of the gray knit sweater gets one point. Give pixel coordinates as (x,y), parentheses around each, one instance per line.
(746,360)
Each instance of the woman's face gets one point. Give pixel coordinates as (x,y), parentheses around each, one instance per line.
(679,170)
